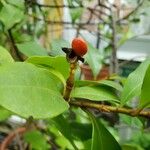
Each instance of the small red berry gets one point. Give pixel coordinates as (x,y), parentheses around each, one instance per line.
(79,46)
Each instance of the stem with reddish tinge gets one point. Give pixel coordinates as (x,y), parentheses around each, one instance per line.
(70,81)
(11,136)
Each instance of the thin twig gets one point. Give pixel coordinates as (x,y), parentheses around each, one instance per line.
(69,6)
(114,60)
(15,52)
(131,13)
(65,22)
(74,7)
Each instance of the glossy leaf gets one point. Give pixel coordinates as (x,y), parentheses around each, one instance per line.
(54,72)
(112,84)
(134,82)
(94,59)
(5,57)
(58,63)
(108,83)
(94,93)
(32,48)
(58,75)
(36,140)
(145,92)
(30,91)
(10,15)
(101,137)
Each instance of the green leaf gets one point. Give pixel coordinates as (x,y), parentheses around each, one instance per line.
(4,114)
(132,146)
(5,57)
(10,15)
(112,84)
(108,83)
(135,20)
(17,3)
(58,75)
(131,121)
(56,46)
(101,137)
(94,59)
(87,144)
(36,140)
(94,93)
(81,131)
(63,143)
(30,91)
(145,93)
(76,14)
(134,82)
(21,37)
(58,63)
(64,127)
(32,48)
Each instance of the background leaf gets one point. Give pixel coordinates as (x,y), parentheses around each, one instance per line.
(133,122)
(30,91)
(64,127)
(36,140)
(94,59)
(87,144)
(101,137)
(32,48)
(17,3)
(81,131)
(5,57)
(56,46)
(76,14)
(134,82)
(10,15)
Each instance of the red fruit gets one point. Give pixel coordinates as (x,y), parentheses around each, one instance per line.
(79,46)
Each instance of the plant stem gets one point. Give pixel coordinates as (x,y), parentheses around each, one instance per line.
(107,108)
(132,12)
(114,60)
(14,52)
(70,81)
